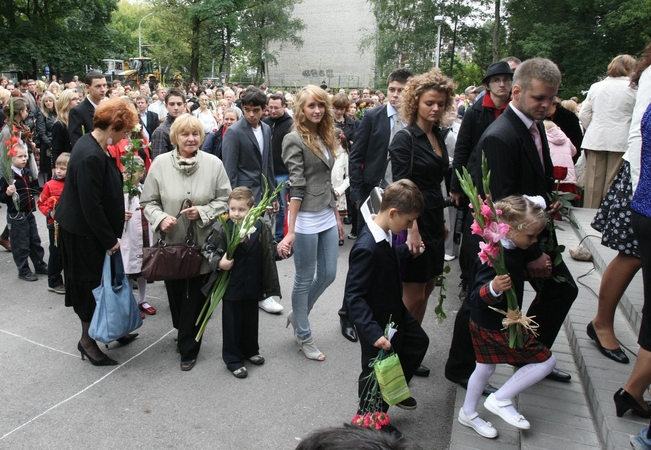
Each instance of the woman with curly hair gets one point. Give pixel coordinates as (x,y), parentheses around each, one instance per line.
(315,227)
(418,153)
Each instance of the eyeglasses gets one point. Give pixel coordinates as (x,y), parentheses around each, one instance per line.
(498,81)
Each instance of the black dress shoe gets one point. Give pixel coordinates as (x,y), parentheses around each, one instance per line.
(347,329)
(422,371)
(29,277)
(128,339)
(559,375)
(616,355)
(188,365)
(41,270)
(488,389)
(409,404)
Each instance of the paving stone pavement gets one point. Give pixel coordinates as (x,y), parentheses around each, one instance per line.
(580,414)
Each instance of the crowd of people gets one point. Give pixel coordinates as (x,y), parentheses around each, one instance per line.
(208,150)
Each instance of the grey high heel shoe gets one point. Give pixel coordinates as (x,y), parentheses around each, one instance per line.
(308,347)
(290,320)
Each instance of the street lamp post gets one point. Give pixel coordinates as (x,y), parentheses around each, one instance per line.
(438,19)
(140,34)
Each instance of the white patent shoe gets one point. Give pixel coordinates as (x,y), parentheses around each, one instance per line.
(486,430)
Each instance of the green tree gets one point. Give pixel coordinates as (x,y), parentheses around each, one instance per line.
(407,32)
(264,22)
(66,35)
(581,37)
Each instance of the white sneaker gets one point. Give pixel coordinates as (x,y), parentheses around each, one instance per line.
(270,305)
(498,407)
(485,430)
(449,257)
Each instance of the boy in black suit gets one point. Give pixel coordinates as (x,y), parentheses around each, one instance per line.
(373,293)
(253,273)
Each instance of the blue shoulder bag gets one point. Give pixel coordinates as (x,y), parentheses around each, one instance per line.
(116,312)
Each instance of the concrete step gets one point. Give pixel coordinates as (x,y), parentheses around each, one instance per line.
(579,414)
(602,377)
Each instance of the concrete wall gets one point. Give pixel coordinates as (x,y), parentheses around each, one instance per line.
(333,32)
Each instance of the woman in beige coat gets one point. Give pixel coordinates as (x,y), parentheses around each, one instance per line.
(186,173)
(606,117)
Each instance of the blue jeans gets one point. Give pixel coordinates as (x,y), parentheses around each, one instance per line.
(641,441)
(315,260)
(280,215)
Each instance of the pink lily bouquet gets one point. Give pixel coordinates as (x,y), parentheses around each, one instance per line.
(235,238)
(487,224)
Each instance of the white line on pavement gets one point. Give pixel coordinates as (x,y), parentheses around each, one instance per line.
(87,387)
(39,344)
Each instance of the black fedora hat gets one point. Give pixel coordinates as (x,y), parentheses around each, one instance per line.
(497,68)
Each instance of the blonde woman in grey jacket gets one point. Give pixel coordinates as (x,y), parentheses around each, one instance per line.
(315,227)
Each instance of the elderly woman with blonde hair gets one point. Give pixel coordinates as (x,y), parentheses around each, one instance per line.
(186,173)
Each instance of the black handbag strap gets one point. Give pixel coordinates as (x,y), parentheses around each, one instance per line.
(189,236)
(411,165)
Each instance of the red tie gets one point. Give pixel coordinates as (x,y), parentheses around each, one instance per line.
(536,138)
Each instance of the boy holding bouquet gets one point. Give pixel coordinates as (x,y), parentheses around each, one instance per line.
(373,294)
(253,274)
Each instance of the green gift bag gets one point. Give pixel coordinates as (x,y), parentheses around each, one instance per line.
(391,380)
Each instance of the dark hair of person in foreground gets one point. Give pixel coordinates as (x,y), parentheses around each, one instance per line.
(350,437)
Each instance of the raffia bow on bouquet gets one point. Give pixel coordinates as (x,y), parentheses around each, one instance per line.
(487,224)
(233,239)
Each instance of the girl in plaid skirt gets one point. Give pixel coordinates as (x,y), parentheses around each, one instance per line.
(526,218)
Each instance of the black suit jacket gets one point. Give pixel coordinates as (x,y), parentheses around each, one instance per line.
(152,122)
(92,202)
(513,162)
(82,114)
(374,286)
(513,159)
(243,161)
(368,157)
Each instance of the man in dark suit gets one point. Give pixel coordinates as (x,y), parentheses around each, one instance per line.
(280,123)
(518,158)
(367,164)
(148,119)
(82,114)
(247,155)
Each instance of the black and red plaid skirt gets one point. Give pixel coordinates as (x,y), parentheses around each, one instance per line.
(492,347)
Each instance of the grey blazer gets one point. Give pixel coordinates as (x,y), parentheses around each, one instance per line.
(309,174)
(243,161)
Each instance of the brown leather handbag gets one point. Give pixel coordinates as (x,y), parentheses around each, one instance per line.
(173,262)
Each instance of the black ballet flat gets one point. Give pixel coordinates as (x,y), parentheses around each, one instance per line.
(625,401)
(105,361)
(616,355)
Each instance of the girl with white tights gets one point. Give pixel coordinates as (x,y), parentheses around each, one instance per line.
(526,218)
